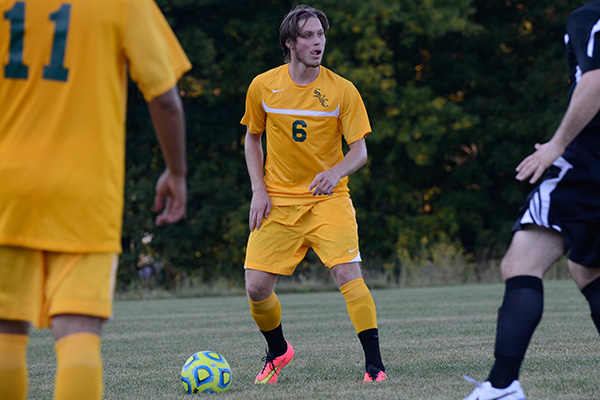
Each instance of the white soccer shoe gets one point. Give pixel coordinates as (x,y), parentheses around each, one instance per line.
(485,391)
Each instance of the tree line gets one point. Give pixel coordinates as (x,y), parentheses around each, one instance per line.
(458,92)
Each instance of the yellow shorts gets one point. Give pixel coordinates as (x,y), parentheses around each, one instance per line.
(36,285)
(328,227)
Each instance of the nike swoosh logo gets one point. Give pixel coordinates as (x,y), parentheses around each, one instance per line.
(277,90)
(353,250)
(276,369)
(503,396)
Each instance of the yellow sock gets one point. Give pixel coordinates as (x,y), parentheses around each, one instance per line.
(266,313)
(79,367)
(361,306)
(13,366)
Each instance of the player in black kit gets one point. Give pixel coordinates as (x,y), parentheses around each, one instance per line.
(561,215)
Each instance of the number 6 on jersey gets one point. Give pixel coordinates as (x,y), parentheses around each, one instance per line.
(299,134)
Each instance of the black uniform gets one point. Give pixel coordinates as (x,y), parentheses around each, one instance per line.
(568,198)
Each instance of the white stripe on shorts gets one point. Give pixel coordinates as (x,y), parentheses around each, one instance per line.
(356,259)
(539,205)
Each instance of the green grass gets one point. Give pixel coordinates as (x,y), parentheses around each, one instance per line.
(430,337)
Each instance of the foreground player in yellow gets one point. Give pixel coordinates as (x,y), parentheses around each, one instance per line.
(63,77)
(303,200)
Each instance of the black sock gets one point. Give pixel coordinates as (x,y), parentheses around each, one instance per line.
(592,294)
(518,317)
(370,343)
(275,341)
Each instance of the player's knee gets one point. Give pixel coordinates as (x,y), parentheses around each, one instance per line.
(515,263)
(344,273)
(14,327)
(68,324)
(257,292)
(582,275)
(259,284)
(506,268)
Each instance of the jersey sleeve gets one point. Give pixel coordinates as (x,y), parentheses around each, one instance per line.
(584,39)
(255,116)
(156,59)
(354,121)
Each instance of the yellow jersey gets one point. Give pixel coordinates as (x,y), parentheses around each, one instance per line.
(304,128)
(63,75)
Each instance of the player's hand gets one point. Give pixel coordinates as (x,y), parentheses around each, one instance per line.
(259,208)
(324,183)
(536,163)
(170,198)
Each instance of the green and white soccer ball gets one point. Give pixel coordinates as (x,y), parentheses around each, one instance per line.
(206,372)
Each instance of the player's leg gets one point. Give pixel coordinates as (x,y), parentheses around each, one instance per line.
(273,250)
(266,309)
(362,312)
(334,237)
(21,280)
(588,281)
(13,364)
(79,364)
(532,251)
(79,298)
(584,256)
(266,312)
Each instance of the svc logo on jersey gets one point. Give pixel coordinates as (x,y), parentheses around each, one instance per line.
(322,99)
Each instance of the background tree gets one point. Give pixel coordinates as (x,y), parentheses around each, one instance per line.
(457,91)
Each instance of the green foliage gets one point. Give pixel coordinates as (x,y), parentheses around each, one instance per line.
(458,91)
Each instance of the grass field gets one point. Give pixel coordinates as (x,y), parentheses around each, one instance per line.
(430,337)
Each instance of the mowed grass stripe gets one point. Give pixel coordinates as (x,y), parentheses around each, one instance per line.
(430,337)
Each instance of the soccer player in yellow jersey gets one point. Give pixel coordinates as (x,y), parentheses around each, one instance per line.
(300,194)
(63,74)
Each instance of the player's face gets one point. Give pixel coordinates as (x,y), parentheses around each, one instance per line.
(310,44)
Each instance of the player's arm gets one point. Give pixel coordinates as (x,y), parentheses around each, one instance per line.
(584,105)
(261,204)
(326,181)
(168,118)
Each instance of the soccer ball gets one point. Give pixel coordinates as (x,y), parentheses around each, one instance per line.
(206,372)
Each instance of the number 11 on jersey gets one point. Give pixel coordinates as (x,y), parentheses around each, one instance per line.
(55,70)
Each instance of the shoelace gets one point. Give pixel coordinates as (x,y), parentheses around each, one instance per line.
(268,359)
(473,381)
(373,372)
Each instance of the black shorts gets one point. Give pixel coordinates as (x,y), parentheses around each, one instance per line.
(568,201)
